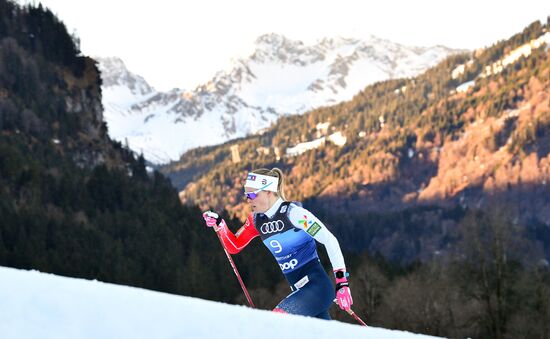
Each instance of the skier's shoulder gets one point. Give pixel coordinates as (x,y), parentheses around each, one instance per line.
(296,211)
(287,206)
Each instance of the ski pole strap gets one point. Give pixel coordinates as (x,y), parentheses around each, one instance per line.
(341,284)
(341,277)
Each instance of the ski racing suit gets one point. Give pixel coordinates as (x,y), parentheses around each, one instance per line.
(289,231)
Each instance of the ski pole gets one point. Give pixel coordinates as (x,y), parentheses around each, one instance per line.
(235,268)
(350,312)
(359,320)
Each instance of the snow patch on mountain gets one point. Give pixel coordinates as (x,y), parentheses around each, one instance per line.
(513,56)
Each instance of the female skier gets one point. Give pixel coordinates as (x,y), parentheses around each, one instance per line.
(289,231)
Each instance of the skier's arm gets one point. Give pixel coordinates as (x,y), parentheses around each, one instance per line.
(234,243)
(304,219)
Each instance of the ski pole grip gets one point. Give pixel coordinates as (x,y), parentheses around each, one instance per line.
(215,216)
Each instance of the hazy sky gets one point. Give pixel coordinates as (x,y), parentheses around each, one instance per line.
(179,43)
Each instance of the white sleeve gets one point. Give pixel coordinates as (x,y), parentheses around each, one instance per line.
(305,220)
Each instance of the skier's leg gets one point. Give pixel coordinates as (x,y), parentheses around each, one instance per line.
(312,299)
(324,315)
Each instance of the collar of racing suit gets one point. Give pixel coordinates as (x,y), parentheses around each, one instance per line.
(274,208)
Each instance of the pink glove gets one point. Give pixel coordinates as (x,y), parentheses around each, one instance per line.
(211,218)
(343,293)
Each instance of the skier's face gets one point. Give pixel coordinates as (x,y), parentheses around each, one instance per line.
(260,203)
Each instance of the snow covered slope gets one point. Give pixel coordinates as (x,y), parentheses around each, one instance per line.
(280,77)
(37,305)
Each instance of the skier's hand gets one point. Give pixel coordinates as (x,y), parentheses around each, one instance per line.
(343,293)
(212,219)
(343,298)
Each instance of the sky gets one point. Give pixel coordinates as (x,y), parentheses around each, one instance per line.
(183,44)
(38,305)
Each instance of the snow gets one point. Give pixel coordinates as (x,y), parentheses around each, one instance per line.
(305,146)
(525,50)
(323,127)
(164,140)
(458,71)
(123,97)
(282,92)
(463,88)
(522,51)
(39,305)
(338,139)
(361,72)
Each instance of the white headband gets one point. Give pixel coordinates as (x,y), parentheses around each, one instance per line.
(262,182)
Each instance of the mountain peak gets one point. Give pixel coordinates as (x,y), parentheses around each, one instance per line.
(273,39)
(115,73)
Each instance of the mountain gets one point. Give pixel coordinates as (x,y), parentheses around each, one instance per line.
(48,306)
(397,168)
(280,77)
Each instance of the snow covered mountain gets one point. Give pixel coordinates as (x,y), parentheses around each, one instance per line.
(38,305)
(281,77)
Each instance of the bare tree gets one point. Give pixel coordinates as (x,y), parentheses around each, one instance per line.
(490,251)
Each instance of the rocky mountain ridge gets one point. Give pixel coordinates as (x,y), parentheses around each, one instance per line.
(279,78)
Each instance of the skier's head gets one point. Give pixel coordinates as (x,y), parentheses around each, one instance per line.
(263,187)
